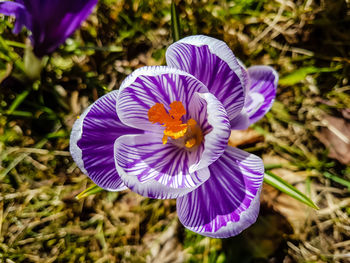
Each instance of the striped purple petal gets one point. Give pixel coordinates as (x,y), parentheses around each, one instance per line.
(150,85)
(212,62)
(92,142)
(241,122)
(260,95)
(152,169)
(228,202)
(245,77)
(208,111)
(23,18)
(263,82)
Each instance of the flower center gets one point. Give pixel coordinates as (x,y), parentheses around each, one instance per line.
(188,134)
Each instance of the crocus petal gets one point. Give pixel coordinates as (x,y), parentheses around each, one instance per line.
(245,77)
(150,85)
(228,202)
(261,93)
(210,114)
(18,10)
(152,169)
(212,62)
(55,20)
(92,142)
(241,122)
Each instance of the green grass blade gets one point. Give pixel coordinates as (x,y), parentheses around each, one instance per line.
(337,179)
(94,189)
(15,44)
(288,189)
(175,22)
(19,99)
(11,55)
(18,113)
(300,74)
(20,158)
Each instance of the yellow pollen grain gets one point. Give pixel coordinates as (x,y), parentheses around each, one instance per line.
(176,132)
(190,143)
(165,139)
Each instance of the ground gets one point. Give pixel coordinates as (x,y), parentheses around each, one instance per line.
(305,138)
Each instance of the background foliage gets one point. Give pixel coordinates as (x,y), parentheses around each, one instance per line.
(305,138)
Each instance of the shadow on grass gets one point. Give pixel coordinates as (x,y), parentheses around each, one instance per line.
(265,241)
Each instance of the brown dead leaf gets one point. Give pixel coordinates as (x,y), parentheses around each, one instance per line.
(74,102)
(242,137)
(346,113)
(274,159)
(336,137)
(295,212)
(166,248)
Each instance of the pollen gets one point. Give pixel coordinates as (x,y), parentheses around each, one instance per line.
(189,132)
(190,143)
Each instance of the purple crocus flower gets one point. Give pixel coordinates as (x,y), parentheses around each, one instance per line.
(165,134)
(50,21)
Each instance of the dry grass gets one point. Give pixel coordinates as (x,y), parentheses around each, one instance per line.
(307,41)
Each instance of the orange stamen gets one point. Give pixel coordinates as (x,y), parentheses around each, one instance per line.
(158,114)
(190,143)
(177,110)
(175,129)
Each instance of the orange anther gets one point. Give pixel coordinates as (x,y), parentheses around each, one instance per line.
(172,120)
(174,128)
(158,114)
(177,110)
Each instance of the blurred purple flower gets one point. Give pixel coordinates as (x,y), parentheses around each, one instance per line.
(50,21)
(164,134)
